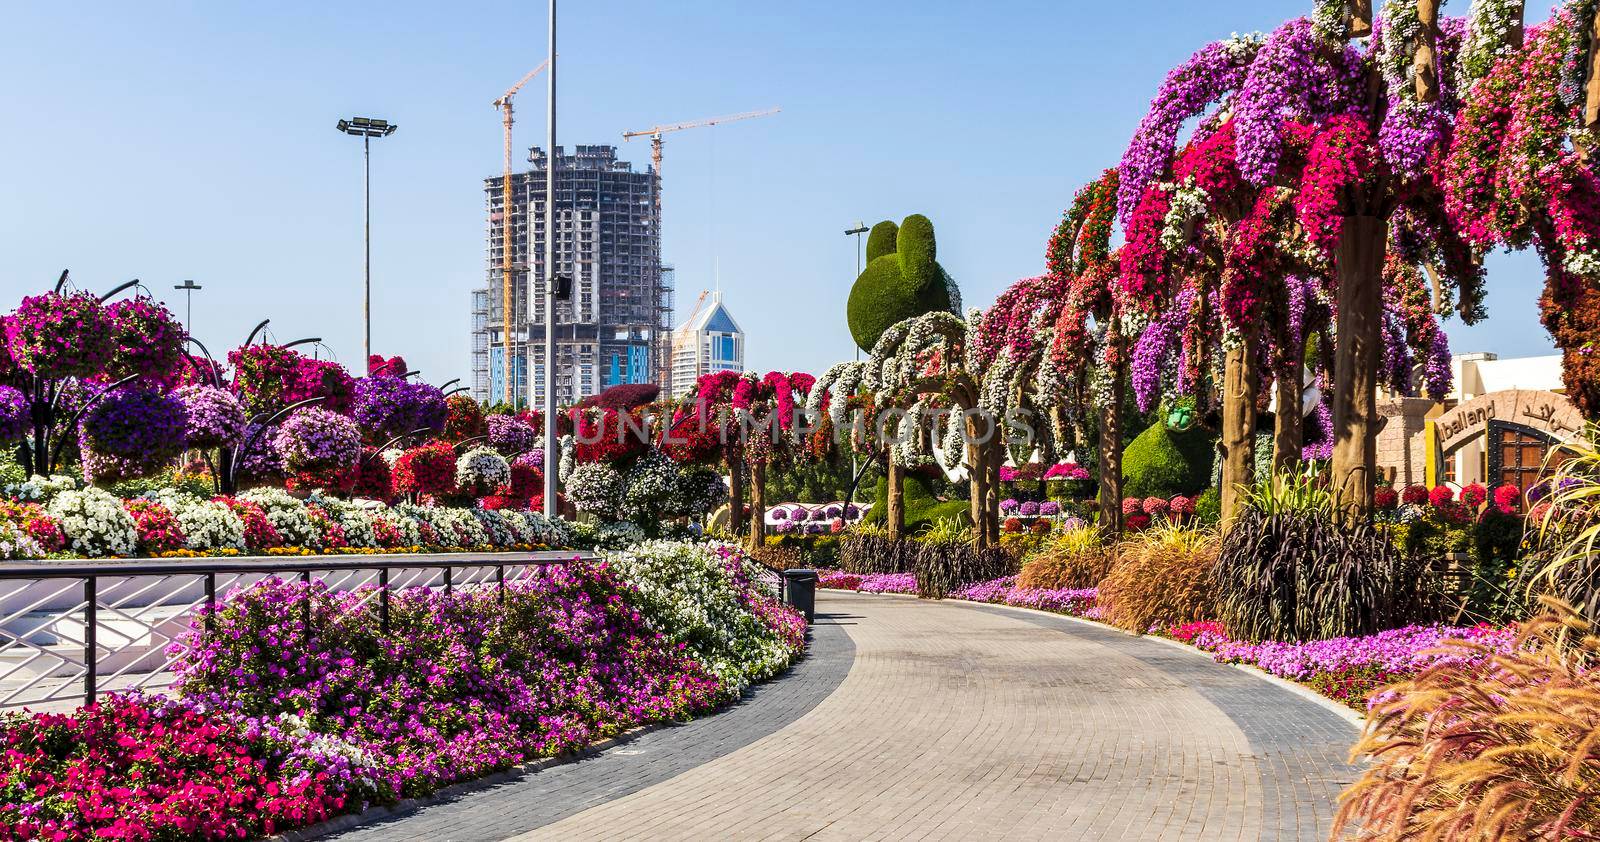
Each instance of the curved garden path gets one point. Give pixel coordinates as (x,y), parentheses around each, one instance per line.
(914,719)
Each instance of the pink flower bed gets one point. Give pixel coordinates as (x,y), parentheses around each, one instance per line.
(888,583)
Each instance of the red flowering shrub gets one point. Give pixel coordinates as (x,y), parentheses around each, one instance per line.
(42,528)
(159,531)
(1181,505)
(1507,498)
(377,366)
(1155,506)
(429,469)
(495,502)
(1012,525)
(371,477)
(259,533)
(464,419)
(1414,495)
(328,526)
(526,480)
(386,533)
(1386,499)
(1132,505)
(690,440)
(1474,495)
(141,768)
(605,435)
(1441,496)
(1137,522)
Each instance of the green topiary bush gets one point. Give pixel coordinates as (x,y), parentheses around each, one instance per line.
(1162,462)
(902,280)
(923,509)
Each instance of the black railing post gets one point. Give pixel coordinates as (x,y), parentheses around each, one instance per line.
(211,601)
(447,578)
(91,655)
(500,581)
(383,600)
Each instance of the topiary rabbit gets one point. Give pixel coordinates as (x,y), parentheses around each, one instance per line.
(902,280)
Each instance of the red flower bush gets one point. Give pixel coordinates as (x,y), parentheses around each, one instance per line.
(1507,498)
(140,768)
(1012,525)
(464,419)
(1474,495)
(606,435)
(1132,505)
(429,469)
(159,531)
(1441,496)
(1155,506)
(1137,522)
(1386,499)
(259,533)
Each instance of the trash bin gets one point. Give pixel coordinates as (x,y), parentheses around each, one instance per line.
(800,588)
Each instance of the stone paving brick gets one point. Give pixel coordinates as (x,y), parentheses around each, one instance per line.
(961,721)
(955,721)
(548,795)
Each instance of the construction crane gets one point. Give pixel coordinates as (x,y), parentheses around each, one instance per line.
(655,133)
(507,299)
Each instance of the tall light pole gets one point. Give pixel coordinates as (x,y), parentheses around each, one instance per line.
(367,128)
(859,229)
(189,288)
(550,458)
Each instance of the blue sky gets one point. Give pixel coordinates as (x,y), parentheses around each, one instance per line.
(195,140)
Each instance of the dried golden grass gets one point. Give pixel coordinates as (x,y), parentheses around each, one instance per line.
(1076,558)
(1508,750)
(1162,576)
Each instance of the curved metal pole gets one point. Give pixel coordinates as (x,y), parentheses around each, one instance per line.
(468,441)
(216,370)
(113,293)
(850,498)
(61,281)
(306,341)
(446,384)
(385,446)
(412,373)
(55,452)
(261,429)
(258,328)
(456,391)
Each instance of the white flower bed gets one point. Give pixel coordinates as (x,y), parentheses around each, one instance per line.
(94,522)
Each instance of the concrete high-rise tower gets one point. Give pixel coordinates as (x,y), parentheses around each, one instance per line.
(616,327)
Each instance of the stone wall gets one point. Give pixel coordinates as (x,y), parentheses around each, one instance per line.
(1402,447)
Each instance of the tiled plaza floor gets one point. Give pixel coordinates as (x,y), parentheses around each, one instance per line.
(924,720)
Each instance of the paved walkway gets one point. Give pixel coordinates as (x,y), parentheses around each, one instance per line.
(954,720)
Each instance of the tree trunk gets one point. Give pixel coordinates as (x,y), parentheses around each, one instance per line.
(736,496)
(991,508)
(1591,91)
(895,513)
(1238,425)
(1111,460)
(1288,431)
(758,505)
(1357,349)
(1424,63)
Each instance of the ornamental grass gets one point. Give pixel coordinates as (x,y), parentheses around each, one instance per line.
(1508,749)
(1076,558)
(947,558)
(1163,576)
(867,550)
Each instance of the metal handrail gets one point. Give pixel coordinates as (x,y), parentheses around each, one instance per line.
(208,569)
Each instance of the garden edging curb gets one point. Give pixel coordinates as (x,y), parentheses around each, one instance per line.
(1343,712)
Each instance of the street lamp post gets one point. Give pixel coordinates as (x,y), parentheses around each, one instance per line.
(550,459)
(189,288)
(367,128)
(859,229)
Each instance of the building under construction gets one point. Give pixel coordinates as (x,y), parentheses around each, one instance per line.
(616,326)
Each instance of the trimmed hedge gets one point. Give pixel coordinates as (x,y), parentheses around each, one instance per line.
(1162,462)
(923,509)
(902,280)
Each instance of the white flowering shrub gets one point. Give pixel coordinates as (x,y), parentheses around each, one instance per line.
(647,489)
(206,525)
(94,522)
(287,514)
(481,471)
(354,518)
(38,489)
(501,532)
(690,593)
(556,532)
(596,488)
(457,527)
